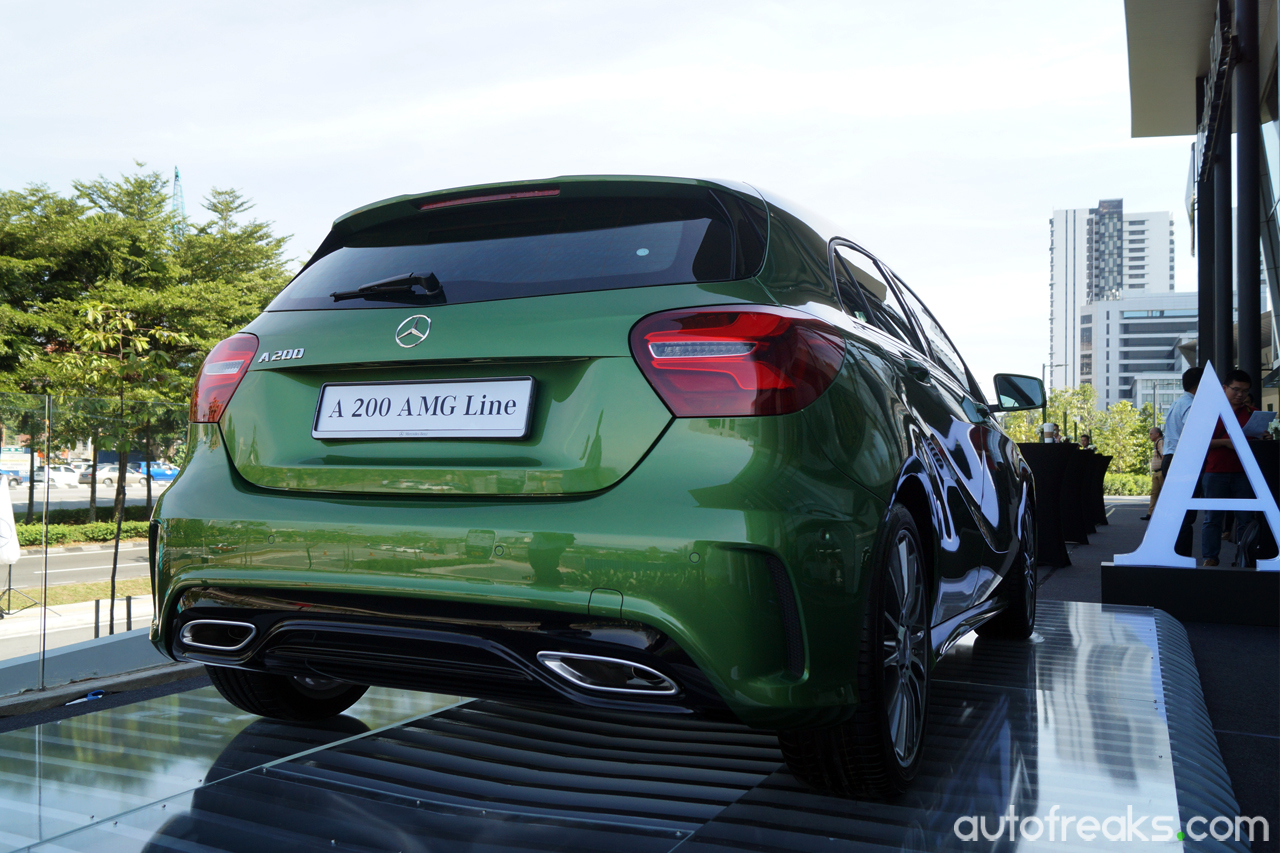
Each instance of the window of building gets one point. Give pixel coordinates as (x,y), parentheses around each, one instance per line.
(1085,319)
(1086,335)
(1158,328)
(1148,342)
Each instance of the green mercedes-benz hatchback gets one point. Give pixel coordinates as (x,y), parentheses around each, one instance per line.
(642,444)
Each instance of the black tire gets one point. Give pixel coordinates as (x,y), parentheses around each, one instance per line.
(284,697)
(867,755)
(1018,589)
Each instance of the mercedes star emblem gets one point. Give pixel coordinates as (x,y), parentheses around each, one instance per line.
(413,331)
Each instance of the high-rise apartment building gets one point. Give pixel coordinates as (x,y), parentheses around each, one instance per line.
(1100,253)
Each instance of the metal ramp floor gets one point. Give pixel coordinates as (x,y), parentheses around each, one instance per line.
(1099,715)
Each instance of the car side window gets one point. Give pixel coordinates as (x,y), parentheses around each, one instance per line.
(944,353)
(863,288)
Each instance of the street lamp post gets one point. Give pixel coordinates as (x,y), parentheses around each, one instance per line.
(1044,410)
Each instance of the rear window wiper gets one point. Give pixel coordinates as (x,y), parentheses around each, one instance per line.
(396,284)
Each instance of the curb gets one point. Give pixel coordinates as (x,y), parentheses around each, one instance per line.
(74,549)
(40,700)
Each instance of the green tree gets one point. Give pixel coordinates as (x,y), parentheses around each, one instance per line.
(113,243)
(122,354)
(1119,431)
(1022,427)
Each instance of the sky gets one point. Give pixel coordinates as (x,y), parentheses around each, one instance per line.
(940,135)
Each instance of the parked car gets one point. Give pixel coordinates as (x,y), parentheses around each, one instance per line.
(161,473)
(59,476)
(761,482)
(13,476)
(109,474)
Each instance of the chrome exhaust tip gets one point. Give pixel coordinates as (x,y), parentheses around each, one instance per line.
(217,634)
(609,675)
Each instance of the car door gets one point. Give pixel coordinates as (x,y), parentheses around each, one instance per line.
(869,295)
(1002,488)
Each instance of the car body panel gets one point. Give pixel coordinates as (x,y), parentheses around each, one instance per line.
(60,475)
(110,472)
(722,509)
(594,413)
(706,529)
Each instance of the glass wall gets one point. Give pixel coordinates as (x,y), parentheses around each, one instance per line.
(72,590)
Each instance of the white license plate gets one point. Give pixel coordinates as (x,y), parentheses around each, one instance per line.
(465,408)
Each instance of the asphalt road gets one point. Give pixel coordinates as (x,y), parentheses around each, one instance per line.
(77,497)
(78,566)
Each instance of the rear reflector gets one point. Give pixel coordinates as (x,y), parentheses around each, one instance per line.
(728,361)
(220,375)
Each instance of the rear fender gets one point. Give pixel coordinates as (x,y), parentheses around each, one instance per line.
(957,541)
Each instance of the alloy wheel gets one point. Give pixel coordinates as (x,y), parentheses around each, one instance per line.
(1028,545)
(905,648)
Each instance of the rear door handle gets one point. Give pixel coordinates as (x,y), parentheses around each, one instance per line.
(918,370)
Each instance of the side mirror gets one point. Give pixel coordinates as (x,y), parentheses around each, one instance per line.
(1016,393)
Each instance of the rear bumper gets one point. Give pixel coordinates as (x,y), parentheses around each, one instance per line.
(733,540)
(469,650)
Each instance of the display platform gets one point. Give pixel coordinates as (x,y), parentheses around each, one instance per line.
(1101,715)
(1224,596)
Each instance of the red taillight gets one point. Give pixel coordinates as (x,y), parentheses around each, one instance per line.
(219,376)
(735,362)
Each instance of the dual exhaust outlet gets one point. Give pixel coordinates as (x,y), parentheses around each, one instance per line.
(608,675)
(592,672)
(217,634)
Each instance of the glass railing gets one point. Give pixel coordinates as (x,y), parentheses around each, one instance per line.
(74,603)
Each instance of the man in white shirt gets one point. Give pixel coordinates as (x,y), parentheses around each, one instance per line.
(1173,422)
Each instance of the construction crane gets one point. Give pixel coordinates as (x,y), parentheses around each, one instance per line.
(178,206)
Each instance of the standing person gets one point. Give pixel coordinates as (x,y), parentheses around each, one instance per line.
(1224,476)
(1173,422)
(1156,468)
(1086,442)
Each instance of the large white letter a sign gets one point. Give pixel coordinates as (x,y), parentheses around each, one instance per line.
(1175,496)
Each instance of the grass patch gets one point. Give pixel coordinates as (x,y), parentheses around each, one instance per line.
(74,593)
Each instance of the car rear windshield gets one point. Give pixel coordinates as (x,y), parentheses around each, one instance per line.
(532,247)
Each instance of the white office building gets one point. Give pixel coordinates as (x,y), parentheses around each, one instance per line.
(1100,253)
(1128,347)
